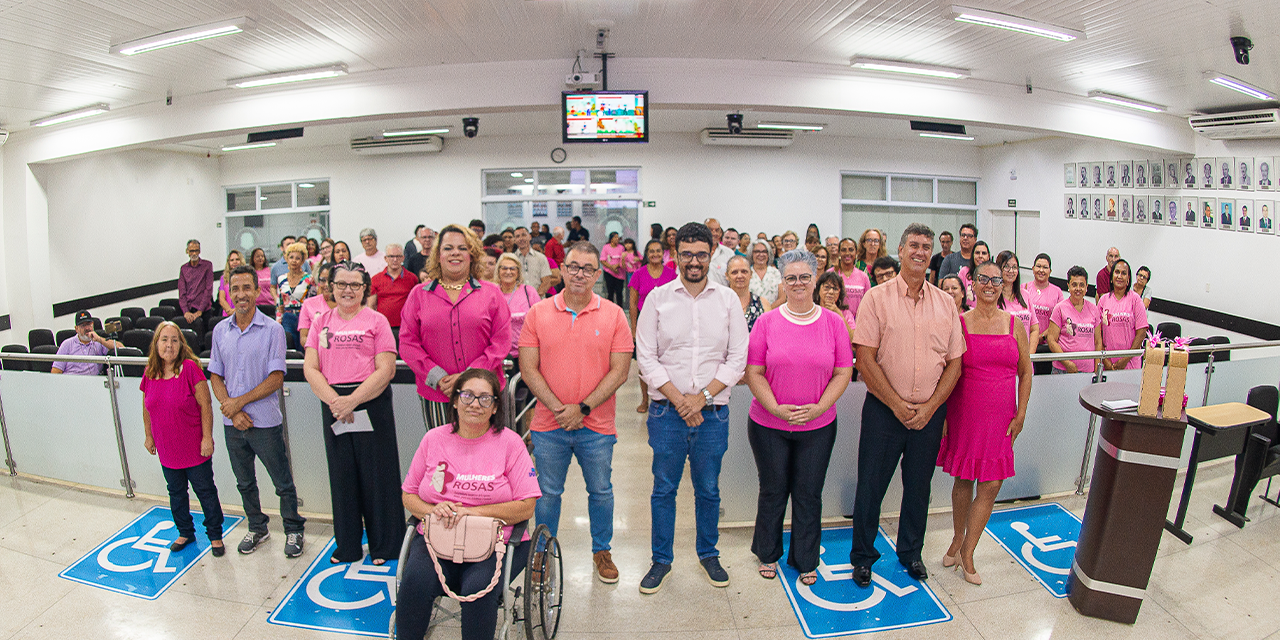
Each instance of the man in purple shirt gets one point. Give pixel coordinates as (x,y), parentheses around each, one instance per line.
(247,368)
(86,342)
(195,284)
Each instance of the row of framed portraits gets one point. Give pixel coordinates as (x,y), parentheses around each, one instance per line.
(1238,174)
(1226,214)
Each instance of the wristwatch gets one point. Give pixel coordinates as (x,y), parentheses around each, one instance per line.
(706,394)
(584,408)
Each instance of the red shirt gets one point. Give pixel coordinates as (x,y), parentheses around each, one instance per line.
(392,293)
(554,251)
(1104,282)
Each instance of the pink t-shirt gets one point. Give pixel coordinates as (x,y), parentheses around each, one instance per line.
(798,376)
(1075,330)
(1121,320)
(311,309)
(643,283)
(611,260)
(175,416)
(1042,302)
(264,287)
(520,300)
(1022,313)
(632,261)
(491,469)
(855,287)
(347,347)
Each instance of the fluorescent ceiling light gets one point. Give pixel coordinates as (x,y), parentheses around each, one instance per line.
(790,126)
(1236,84)
(74,114)
(305,185)
(182,36)
(895,66)
(528,179)
(1015,23)
(947,136)
(517,174)
(255,145)
(1111,98)
(421,131)
(297,75)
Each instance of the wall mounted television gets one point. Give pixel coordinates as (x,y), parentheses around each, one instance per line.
(605,116)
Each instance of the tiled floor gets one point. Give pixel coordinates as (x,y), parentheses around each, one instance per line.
(1224,585)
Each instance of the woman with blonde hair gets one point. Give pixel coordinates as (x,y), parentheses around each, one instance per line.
(177,416)
(870,247)
(291,290)
(234,259)
(454,321)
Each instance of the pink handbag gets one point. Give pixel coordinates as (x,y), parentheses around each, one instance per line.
(473,539)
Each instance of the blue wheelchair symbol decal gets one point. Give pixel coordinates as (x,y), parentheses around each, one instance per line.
(357,598)
(1042,538)
(835,606)
(136,561)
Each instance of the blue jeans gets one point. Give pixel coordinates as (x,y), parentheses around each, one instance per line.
(552,451)
(200,477)
(703,446)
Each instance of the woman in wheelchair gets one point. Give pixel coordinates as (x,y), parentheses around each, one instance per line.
(473,466)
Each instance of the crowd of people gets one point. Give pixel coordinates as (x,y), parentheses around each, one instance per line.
(941,340)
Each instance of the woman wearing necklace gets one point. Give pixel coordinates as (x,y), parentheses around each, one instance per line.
(792,422)
(856,280)
(738,272)
(985,414)
(293,287)
(655,272)
(453,321)
(766,280)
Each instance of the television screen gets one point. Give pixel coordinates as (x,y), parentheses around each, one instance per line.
(606,116)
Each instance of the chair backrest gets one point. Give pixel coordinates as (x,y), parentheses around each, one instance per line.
(1266,398)
(149,323)
(291,374)
(170,302)
(1170,330)
(37,337)
(15,365)
(1198,358)
(139,339)
(126,323)
(46,349)
(268,310)
(206,341)
(133,313)
(64,335)
(163,311)
(1220,356)
(192,339)
(133,370)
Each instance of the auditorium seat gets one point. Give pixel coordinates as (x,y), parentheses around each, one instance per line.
(163,311)
(1198,358)
(294,374)
(170,302)
(149,323)
(1169,330)
(37,337)
(133,370)
(192,339)
(1220,356)
(133,313)
(46,349)
(63,335)
(15,365)
(138,339)
(126,323)
(207,341)
(268,310)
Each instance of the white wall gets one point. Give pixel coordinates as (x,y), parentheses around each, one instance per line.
(1184,261)
(122,219)
(747,188)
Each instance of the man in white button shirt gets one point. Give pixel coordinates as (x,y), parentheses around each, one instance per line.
(691,344)
(720,255)
(537,271)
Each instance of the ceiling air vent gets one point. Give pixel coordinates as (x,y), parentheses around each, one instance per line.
(748,138)
(1239,125)
(381,146)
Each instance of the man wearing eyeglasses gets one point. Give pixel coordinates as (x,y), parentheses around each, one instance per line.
(537,271)
(588,343)
(909,344)
(952,263)
(691,345)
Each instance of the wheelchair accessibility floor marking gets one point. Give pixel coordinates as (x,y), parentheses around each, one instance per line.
(835,606)
(136,560)
(1042,538)
(356,598)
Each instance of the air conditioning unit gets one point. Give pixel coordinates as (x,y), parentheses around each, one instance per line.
(1239,125)
(748,138)
(382,146)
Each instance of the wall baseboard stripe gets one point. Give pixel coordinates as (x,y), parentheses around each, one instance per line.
(113,297)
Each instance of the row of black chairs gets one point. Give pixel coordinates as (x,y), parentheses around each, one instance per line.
(133,318)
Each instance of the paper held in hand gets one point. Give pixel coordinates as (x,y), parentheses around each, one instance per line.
(360,424)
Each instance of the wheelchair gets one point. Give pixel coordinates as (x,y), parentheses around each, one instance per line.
(530,606)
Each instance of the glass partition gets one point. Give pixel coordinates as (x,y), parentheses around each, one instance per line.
(62,427)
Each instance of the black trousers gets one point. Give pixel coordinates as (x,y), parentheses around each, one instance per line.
(364,482)
(613,289)
(885,441)
(421,586)
(200,477)
(790,464)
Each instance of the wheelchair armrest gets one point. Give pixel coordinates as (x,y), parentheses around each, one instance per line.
(412,522)
(517,532)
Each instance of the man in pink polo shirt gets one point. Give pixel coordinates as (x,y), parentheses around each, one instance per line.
(909,344)
(588,343)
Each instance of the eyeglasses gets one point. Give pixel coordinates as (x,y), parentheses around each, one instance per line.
(997,280)
(804,278)
(587,270)
(1009,268)
(701,256)
(486,400)
(349,286)
(396,256)
(761,251)
(968,236)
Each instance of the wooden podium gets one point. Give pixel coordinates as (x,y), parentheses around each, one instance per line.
(1134,469)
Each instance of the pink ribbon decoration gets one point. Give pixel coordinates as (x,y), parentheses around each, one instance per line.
(1155,340)
(1181,343)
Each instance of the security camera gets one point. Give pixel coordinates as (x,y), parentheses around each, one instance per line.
(1241,45)
(734,121)
(470,127)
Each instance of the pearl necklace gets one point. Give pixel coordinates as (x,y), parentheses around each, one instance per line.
(786,308)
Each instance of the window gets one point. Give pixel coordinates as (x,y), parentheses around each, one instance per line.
(890,202)
(260,215)
(607,199)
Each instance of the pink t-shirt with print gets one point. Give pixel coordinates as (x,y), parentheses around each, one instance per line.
(1121,320)
(1042,302)
(491,469)
(311,309)
(1075,330)
(347,347)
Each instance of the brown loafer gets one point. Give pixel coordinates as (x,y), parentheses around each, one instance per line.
(605,569)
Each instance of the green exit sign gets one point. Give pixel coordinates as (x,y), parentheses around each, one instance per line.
(1013,203)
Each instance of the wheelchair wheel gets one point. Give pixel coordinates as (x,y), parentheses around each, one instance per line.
(543,586)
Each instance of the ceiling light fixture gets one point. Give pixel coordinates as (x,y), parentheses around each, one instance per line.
(242,147)
(790,126)
(74,114)
(422,131)
(1111,98)
(517,174)
(896,66)
(183,36)
(297,75)
(1015,23)
(1236,84)
(945,136)
(306,185)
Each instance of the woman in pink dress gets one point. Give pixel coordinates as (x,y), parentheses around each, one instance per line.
(984,416)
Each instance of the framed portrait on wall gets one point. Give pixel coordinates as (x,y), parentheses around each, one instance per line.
(1173,215)
(1082,172)
(1095,176)
(1140,174)
(1097,200)
(1125,169)
(1244,173)
(1190,216)
(1226,214)
(1263,212)
(1112,204)
(1208,213)
(1156,176)
(1124,203)
(1225,174)
(1069,208)
(1069,175)
(1157,210)
(1265,173)
(1188,173)
(1244,216)
(1205,174)
(1140,210)
(1110,175)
